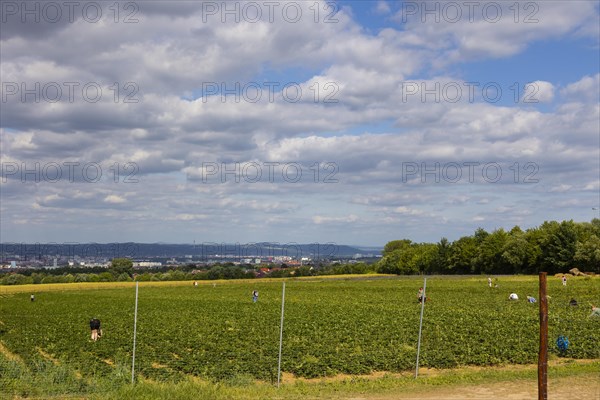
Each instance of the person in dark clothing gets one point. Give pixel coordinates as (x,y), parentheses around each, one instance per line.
(95,327)
(573,303)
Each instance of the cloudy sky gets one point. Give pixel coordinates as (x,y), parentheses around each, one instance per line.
(353,122)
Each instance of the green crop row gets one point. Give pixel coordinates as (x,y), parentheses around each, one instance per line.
(331,327)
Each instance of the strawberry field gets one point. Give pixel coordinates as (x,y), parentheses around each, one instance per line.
(346,326)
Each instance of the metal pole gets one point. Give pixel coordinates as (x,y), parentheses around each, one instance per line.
(421,325)
(543,355)
(134,332)
(281,335)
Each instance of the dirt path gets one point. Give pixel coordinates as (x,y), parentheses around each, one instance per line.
(577,388)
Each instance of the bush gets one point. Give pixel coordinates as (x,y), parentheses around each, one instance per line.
(124,277)
(17,279)
(50,279)
(105,277)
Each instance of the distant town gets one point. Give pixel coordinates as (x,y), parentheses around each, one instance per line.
(148,256)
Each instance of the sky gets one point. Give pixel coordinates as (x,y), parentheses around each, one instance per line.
(348,122)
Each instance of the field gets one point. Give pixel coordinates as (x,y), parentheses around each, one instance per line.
(332,326)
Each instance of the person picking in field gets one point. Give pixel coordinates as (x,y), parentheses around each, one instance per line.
(531,299)
(573,303)
(513,296)
(95,327)
(254,296)
(595,312)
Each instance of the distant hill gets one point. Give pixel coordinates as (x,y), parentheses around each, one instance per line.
(201,250)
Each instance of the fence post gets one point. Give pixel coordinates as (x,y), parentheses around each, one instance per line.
(421,325)
(543,354)
(134,332)
(281,335)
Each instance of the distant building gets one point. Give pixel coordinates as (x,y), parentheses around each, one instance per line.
(147,264)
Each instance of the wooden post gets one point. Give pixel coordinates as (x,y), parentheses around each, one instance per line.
(543,355)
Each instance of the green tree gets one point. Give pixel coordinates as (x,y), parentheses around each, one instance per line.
(558,246)
(480,235)
(106,277)
(587,254)
(123,277)
(120,266)
(462,253)
(145,277)
(424,257)
(518,253)
(50,279)
(489,254)
(17,279)
(37,277)
(397,258)
(440,263)
(396,245)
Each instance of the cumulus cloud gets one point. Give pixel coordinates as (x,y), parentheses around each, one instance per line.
(538,91)
(372,156)
(587,88)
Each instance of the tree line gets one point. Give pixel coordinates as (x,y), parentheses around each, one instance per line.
(121,270)
(553,247)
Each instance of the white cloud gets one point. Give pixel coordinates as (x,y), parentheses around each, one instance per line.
(561,188)
(382,7)
(368,135)
(407,211)
(538,91)
(114,199)
(318,219)
(586,89)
